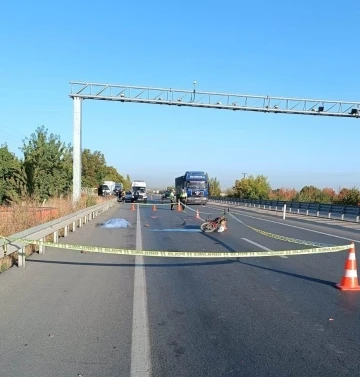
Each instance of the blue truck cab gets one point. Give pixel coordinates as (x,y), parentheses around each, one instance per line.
(196,185)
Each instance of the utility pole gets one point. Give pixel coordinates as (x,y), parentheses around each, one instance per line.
(244,174)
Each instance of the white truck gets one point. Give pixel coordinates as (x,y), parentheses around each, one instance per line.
(111,185)
(139,191)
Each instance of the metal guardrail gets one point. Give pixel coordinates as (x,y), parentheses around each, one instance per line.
(39,232)
(330,211)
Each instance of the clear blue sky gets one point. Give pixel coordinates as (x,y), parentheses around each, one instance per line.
(284,48)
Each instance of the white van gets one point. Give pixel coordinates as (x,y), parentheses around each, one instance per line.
(139,191)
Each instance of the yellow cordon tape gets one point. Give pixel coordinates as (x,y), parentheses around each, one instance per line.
(181,254)
(264,233)
(271,235)
(282,238)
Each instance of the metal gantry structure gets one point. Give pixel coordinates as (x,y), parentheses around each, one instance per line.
(193,98)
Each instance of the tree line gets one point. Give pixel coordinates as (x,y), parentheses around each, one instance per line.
(45,169)
(258,187)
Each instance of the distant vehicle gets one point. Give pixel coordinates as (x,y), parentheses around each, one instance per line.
(196,185)
(118,187)
(128,196)
(110,184)
(139,191)
(104,190)
(166,195)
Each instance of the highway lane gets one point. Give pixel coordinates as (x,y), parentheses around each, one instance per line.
(70,313)
(303,219)
(251,317)
(298,229)
(206,317)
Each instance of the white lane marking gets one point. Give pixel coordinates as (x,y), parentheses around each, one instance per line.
(261,246)
(294,226)
(140,344)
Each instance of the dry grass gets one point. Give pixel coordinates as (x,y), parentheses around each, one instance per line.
(18,217)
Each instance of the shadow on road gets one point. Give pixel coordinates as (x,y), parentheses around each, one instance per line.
(303,277)
(151,265)
(186,264)
(218,241)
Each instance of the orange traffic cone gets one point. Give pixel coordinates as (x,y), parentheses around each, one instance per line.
(179,207)
(133,207)
(197,214)
(154,208)
(349,281)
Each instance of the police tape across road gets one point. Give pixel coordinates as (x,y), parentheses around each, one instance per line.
(279,237)
(272,235)
(260,231)
(179,254)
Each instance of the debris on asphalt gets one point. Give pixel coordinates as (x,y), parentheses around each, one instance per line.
(115,223)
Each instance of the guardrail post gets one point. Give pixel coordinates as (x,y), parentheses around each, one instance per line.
(80,222)
(41,246)
(21,257)
(329,216)
(85,220)
(284,214)
(307,209)
(358,215)
(318,211)
(66,231)
(56,236)
(74,226)
(343,214)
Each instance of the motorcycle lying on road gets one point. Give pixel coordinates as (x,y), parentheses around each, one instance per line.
(216,225)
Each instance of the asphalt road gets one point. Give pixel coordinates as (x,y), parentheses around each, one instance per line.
(71,313)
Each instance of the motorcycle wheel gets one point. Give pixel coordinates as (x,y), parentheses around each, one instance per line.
(207,227)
